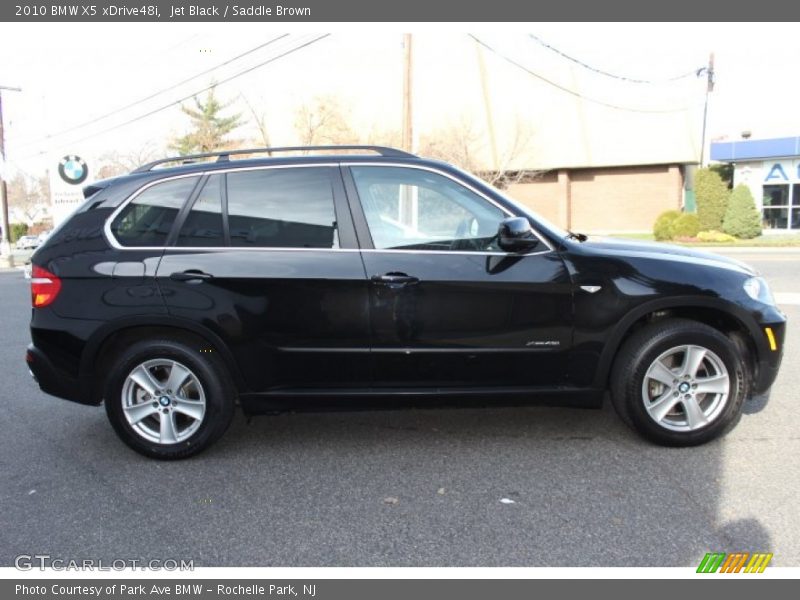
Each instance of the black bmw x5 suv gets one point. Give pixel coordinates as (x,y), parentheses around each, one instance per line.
(376,279)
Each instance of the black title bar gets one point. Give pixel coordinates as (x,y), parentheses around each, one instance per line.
(337,11)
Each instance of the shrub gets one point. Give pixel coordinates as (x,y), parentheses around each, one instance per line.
(661,228)
(17,230)
(685,226)
(715,236)
(712,199)
(742,218)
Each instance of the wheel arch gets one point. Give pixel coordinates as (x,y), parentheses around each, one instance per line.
(722,315)
(111,337)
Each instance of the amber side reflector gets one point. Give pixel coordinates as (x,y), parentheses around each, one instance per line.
(771,338)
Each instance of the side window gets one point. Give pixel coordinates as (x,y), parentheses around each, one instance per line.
(282,208)
(203,225)
(414,209)
(148,218)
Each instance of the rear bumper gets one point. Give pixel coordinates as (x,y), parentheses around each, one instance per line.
(55,382)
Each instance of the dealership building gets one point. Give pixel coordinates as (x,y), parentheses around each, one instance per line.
(771,169)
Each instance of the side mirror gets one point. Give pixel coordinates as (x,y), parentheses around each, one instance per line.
(515,235)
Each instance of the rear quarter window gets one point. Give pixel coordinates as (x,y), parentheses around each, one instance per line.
(148,218)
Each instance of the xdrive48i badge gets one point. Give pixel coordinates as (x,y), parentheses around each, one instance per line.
(73,169)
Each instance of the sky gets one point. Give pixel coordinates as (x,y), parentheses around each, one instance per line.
(72,75)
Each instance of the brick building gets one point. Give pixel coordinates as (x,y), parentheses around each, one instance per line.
(605,199)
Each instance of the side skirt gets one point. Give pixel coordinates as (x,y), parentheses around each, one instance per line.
(321,400)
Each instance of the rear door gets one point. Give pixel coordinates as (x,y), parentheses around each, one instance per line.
(266,258)
(448,307)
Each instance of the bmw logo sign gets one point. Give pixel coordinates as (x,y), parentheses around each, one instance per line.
(73,169)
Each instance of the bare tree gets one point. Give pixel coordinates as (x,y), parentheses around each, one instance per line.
(463,145)
(115,163)
(29,197)
(260,119)
(324,121)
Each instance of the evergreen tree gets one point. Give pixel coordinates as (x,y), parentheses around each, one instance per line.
(712,199)
(209,127)
(742,218)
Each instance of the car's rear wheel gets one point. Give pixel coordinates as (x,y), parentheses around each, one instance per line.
(679,383)
(167,400)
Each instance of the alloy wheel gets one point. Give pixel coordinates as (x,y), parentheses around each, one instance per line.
(163,401)
(686,388)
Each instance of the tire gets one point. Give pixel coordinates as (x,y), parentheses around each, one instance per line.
(662,405)
(197,413)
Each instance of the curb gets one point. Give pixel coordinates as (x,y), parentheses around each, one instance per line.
(753,249)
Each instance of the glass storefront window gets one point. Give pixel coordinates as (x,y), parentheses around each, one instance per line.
(795,224)
(776,218)
(777,203)
(776,195)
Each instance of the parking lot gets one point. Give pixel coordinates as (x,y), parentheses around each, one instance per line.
(392,488)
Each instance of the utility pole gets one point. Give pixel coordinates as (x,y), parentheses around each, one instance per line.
(408,201)
(408,66)
(487,107)
(709,71)
(6,258)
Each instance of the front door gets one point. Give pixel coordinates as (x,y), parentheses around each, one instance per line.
(449,308)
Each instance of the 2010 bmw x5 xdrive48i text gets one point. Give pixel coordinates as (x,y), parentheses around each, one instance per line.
(369,280)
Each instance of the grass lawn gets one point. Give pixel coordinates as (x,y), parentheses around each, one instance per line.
(764,241)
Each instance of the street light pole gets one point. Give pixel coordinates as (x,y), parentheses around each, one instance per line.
(6,258)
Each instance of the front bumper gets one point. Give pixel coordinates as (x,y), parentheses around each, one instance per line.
(769,354)
(55,382)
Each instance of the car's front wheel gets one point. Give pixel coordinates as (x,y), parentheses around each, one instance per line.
(167,400)
(679,382)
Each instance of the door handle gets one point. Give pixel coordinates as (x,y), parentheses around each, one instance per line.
(395,279)
(190,275)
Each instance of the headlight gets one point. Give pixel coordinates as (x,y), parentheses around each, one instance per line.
(758,289)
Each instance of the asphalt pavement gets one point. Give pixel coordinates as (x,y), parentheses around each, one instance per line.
(400,488)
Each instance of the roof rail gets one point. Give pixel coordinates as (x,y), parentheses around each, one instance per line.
(225,155)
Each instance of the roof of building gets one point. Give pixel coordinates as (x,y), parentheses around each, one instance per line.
(755,149)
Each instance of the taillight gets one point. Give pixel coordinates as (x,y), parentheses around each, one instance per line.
(44,287)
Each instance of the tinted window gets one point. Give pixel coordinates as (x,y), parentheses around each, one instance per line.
(203,225)
(282,208)
(414,209)
(148,218)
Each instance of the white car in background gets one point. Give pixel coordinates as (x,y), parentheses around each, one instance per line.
(28,242)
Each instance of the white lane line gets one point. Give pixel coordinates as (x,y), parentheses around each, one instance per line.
(787,298)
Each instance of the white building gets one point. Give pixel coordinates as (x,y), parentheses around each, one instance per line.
(771,169)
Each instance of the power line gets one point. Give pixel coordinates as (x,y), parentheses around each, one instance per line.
(185,98)
(151,96)
(573,92)
(540,41)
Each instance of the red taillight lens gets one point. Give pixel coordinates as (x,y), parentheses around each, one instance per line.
(44,287)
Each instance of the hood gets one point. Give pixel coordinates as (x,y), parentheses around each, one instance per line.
(661,251)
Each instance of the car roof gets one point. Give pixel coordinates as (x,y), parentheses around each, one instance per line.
(224,156)
(213,161)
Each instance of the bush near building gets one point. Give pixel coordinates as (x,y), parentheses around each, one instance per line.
(662,226)
(742,218)
(712,199)
(685,226)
